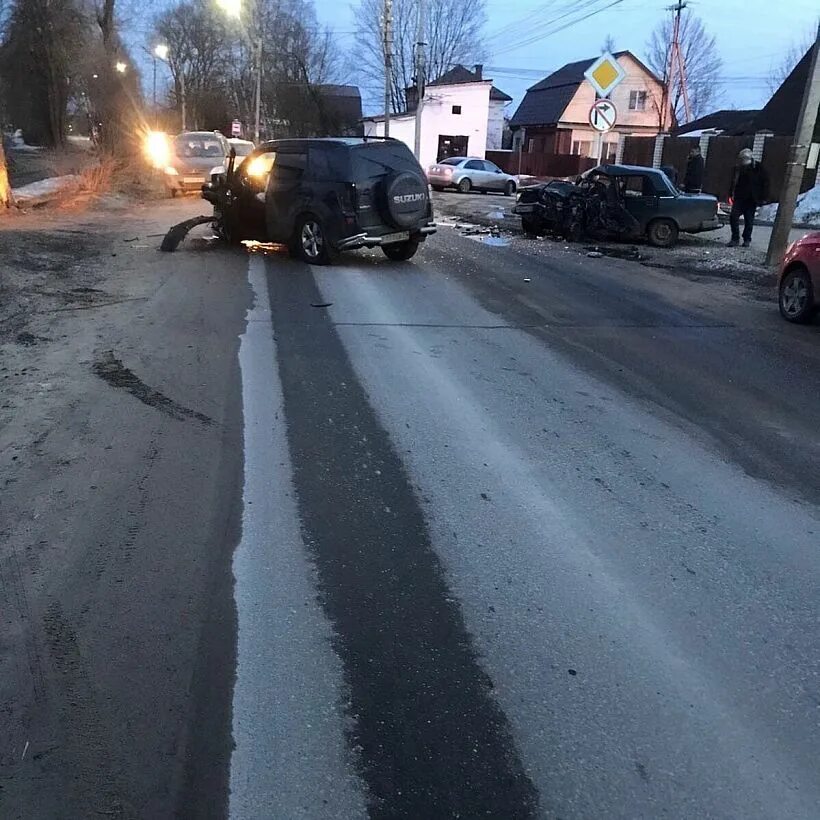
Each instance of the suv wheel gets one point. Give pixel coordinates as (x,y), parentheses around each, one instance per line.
(401,251)
(465,186)
(796,300)
(310,243)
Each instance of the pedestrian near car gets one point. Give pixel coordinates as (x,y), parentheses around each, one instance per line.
(695,169)
(749,190)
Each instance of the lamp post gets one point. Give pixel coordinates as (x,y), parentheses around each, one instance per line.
(160,51)
(233,8)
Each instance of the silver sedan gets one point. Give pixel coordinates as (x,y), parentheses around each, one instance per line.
(470,173)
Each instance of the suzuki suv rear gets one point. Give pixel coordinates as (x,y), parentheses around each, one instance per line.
(321,196)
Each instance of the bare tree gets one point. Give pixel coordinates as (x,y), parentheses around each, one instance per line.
(453,35)
(785,65)
(216,59)
(42,42)
(609,44)
(701,60)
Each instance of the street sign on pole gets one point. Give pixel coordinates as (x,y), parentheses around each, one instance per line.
(605,74)
(602,115)
(236,128)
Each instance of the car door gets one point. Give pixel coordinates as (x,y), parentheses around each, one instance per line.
(640,198)
(284,193)
(495,177)
(474,170)
(251,182)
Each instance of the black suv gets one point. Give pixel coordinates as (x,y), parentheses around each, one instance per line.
(321,196)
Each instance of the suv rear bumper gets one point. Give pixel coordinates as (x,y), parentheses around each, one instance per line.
(365,240)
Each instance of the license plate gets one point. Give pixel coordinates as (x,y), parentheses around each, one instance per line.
(390,238)
(191,180)
(524,209)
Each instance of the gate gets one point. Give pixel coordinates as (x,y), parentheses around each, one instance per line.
(721,160)
(638,151)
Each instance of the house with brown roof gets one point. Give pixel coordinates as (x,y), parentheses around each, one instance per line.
(553,117)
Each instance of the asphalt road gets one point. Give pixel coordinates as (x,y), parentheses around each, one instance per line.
(502,532)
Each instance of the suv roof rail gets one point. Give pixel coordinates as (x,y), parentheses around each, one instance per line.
(367,137)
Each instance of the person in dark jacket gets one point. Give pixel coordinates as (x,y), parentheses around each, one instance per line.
(672,173)
(750,190)
(695,168)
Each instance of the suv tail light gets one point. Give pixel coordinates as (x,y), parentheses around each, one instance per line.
(350,198)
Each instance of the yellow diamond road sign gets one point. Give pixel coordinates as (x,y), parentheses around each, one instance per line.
(605,74)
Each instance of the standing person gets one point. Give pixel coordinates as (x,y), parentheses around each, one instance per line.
(750,189)
(695,169)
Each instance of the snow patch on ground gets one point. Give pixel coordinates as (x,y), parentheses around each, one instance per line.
(44,188)
(806,213)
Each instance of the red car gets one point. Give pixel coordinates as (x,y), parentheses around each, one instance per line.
(799,289)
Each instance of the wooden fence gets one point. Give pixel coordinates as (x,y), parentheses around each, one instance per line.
(541,165)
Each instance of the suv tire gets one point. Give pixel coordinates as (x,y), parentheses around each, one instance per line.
(310,242)
(401,251)
(407,200)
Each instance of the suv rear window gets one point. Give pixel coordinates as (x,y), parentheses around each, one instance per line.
(380,158)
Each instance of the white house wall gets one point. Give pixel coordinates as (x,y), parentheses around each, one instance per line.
(495,127)
(438,119)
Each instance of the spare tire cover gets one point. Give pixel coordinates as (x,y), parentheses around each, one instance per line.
(407,200)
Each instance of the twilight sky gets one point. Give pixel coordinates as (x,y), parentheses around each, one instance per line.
(751,35)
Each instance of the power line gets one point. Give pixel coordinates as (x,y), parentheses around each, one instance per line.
(564,26)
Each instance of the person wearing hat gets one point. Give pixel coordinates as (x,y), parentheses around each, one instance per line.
(750,190)
(695,169)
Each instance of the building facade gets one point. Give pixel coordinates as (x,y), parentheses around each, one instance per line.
(553,117)
(462,115)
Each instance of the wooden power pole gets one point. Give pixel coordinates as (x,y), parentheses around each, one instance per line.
(676,67)
(420,76)
(798,154)
(388,62)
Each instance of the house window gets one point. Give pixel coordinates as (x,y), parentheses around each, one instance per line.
(637,100)
(456,109)
(581,147)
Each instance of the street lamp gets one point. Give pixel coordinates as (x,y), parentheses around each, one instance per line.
(121,67)
(233,8)
(161,51)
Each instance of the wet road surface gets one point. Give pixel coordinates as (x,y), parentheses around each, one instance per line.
(495,533)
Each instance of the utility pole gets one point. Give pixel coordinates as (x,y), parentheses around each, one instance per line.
(258,90)
(798,154)
(182,93)
(675,65)
(388,61)
(156,113)
(420,76)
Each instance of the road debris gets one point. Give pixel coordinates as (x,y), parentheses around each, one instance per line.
(178,232)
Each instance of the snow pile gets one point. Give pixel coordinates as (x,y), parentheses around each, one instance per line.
(45,188)
(806,213)
(19,144)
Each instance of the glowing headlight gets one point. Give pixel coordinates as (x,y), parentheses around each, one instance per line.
(157,149)
(258,167)
(171,171)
